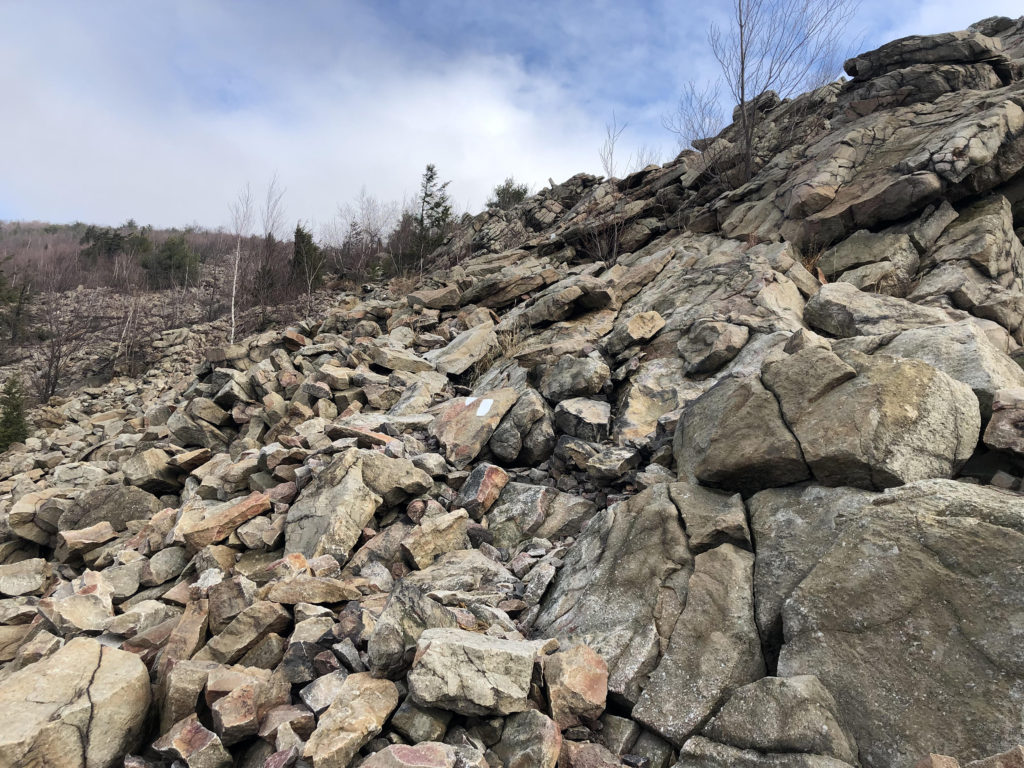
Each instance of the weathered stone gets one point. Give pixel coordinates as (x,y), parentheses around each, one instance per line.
(577,685)
(83,707)
(1005,432)
(244,631)
(530,740)
(710,517)
(583,418)
(714,648)
(711,344)
(471,674)
(525,434)
(573,377)
(188,740)
(895,422)
(329,514)
(963,352)
(114,504)
(613,464)
(420,723)
(924,572)
(793,528)
(465,350)
(640,327)
(425,755)
(783,714)
(464,427)
(393,479)
(439,298)
(363,706)
(842,310)
(434,536)
(733,437)
(622,587)
(28,577)
(400,360)
(1011,759)
(522,511)
(409,611)
(150,470)
(481,489)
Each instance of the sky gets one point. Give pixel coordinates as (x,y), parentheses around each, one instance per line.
(162,110)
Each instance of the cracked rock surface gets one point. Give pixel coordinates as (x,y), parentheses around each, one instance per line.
(742,489)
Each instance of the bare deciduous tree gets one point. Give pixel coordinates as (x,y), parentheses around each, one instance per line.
(775,45)
(241,224)
(769,45)
(612,132)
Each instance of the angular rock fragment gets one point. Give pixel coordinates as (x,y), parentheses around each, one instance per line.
(471,674)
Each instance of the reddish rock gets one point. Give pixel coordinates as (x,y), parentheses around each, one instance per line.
(224,520)
(467,423)
(425,755)
(481,489)
(188,740)
(577,684)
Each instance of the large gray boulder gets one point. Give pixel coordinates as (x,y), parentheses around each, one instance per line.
(912,614)
(891,422)
(783,714)
(331,512)
(622,586)
(842,309)
(733,437)
(82,707)
(714,648)
(965,353)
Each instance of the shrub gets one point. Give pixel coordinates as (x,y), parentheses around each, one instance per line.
(508,194)
(13,426)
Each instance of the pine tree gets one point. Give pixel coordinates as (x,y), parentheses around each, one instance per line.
(435,211)
(307,260)
(13,427)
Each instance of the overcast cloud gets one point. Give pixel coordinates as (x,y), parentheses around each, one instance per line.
(160,111)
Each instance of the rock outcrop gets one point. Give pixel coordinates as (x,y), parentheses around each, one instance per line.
(663,471)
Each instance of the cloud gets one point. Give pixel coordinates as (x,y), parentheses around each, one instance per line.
(162,111)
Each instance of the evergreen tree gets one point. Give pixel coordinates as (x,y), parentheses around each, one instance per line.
(436,213)
(13,427)
(307,259)
(508,194)
(173,263)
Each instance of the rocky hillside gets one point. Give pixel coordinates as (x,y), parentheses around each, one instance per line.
(666,473)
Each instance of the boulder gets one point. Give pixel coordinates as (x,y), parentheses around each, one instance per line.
(713,650)
(529,740)
(577,685)
(465,350)
(925,572)
(573,377)
(82,707)
(733,437)
(471,674)
(363,705)
(583,418)
(1005,432)
(892,422)
(467,423)
(622,587)
(842,310)
(783,714)
(964,352)
(329,514)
